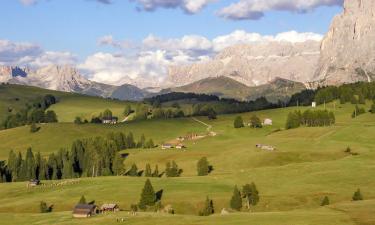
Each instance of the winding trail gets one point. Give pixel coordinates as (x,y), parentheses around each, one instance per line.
(209,127)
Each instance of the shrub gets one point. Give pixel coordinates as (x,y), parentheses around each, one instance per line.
(238,122)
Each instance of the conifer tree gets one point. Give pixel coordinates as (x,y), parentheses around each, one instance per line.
(251,194)
(29,165)
(325,201)
(255,122)
(82,200)
(203,167)
(148,172)
(118,165)
(236,200)
(172,169)
(208,208)
(133,172)
(148,197)
(357,196)
(156,172)
(238,122)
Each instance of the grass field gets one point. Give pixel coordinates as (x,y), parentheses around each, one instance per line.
(309,163)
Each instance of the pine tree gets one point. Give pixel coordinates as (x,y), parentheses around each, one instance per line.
(238,122)
(148,172)
(118,165)
(142,142)
(203,167)
(208,208)
(255,122)
(236,201)
(148,197)
(357,196)
(251,194)
(29,165)
(325,201)
(133,172)
(156,172)
(82,200)
(172,169)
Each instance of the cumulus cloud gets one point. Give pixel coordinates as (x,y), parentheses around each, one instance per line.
(189,6)
(154,55)
(143,70)
(255,9)
(22,54)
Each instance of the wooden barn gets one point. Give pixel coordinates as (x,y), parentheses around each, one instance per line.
(84,210)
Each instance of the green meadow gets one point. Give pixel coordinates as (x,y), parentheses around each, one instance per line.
(308,164)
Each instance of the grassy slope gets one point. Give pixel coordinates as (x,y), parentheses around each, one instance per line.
(309,163)
(69,105)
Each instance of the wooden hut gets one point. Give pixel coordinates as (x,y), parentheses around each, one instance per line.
(84,210)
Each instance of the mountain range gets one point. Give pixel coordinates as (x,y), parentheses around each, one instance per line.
(275,69)
(68,79)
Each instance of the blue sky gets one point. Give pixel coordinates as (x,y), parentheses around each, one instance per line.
(74,27)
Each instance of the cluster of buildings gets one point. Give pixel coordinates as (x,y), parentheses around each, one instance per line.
(88,210)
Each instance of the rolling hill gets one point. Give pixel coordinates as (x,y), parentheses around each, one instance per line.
(225,87)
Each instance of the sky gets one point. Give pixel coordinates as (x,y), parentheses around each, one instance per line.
(119,41)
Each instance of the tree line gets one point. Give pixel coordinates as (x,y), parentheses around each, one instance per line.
(356,93)
(86,158)
(310,118)
(35,112)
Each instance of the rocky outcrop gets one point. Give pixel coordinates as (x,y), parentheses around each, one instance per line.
(255,64)
(348,49)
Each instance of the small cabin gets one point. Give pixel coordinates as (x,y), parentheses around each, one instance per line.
(109,208)
(267,122)
(34,183)
(84,210)
(166,146)
(110,120)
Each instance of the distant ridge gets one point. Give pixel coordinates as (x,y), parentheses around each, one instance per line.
(225,87)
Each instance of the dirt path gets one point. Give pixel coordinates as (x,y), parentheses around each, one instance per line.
(209,127)
(126,119)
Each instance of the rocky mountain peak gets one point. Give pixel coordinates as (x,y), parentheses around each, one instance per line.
(348,49)
(254,64)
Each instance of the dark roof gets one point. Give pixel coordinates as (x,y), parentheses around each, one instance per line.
(85,206)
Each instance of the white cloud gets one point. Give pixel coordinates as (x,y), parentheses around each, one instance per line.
(255,9)
(21,54)
(189,6)
(243,37)
(143,70)
(155,54)
(53,58)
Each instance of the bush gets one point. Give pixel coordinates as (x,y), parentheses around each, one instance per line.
(325,201)
(238,122)
(34,128)
(357,196)
(44,208)
(255,122)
